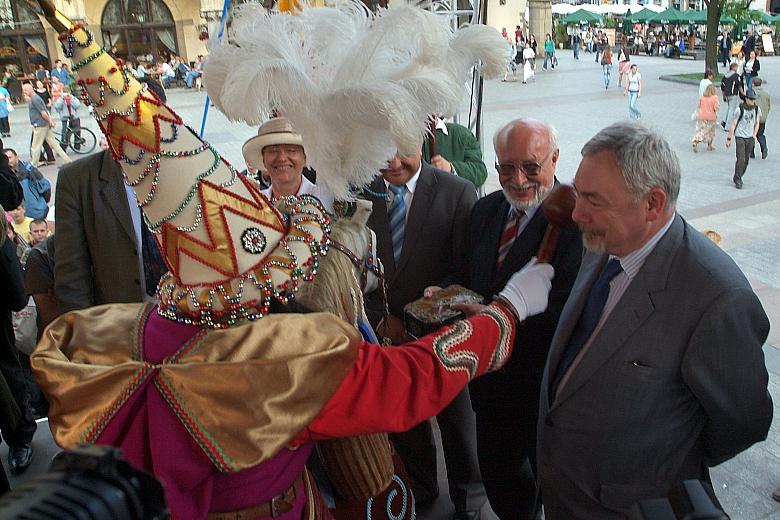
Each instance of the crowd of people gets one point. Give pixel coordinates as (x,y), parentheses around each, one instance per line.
(567,389)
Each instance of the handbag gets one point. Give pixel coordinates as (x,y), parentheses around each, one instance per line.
(9,106)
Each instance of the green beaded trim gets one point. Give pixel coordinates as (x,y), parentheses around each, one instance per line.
(156,226)
(88,59)
(504,322)
(455,360)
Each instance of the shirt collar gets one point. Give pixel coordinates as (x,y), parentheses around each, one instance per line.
(632,262)
(441,125)
(411,184)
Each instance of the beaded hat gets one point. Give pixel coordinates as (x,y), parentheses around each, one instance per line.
(278,130)
(229,250)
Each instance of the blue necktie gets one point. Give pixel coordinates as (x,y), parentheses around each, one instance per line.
(396,216)
(591,313)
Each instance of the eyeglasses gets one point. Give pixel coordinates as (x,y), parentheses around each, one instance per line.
(530,169)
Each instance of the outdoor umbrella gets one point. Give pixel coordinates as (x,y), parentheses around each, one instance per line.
(581,16)
(640,16)
(760,17)
(669,16)
(700,17)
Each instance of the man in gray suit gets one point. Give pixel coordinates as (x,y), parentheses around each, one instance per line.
(655,371)
(100,255)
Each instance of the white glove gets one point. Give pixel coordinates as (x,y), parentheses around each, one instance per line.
(528,289)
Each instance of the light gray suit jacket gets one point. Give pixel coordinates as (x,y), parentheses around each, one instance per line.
(96,255)
(673,382)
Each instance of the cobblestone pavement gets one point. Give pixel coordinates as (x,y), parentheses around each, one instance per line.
(574,100)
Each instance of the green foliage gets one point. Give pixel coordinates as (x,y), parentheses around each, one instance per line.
(560,35)
(610,22)
(737,9)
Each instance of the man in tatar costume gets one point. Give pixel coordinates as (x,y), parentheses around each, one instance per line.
(215,389)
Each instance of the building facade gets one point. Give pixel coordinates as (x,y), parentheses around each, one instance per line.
(147,29)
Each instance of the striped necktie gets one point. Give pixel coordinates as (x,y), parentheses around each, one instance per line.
(396,216)
(509,235)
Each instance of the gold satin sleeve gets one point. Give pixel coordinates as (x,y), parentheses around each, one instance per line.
(244,391)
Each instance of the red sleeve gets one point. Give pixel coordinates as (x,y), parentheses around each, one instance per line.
(392,389)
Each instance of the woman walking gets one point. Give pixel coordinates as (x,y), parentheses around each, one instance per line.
(606,65)
(624,64)
(705,121)
(549,52)
(750,70)
(634,91)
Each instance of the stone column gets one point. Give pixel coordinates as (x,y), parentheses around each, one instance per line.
(540,19)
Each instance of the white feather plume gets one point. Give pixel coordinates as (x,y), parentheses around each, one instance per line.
(358,86)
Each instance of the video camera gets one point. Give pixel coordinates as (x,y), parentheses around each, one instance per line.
(88,483)
(691,500)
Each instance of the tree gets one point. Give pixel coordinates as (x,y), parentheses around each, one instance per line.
(737,9)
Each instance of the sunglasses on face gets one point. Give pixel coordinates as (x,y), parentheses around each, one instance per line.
(529,169)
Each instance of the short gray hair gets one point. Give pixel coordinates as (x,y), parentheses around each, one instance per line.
(645,158)
(551,131)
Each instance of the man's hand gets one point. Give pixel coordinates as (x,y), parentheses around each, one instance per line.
(728,141)
(437,161)
(393,328)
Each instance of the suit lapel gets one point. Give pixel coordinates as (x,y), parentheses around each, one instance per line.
(112,191)
(378,221)
(634,308)
(418,213)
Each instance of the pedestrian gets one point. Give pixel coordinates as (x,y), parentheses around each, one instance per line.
(528,63)
(575,43)
(67,107)
(705,82)
(705,118)
(634,91)
(60,73)
(5,110)
(750,70)
(725,48)
(731,87)
(624,65)
(42,123)
(765,104)
(743,130)
(511,64)
(606,65)
(549,52)
(47,154)
(598,46)
(589,40)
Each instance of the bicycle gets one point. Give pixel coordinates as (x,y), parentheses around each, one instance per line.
(78,138)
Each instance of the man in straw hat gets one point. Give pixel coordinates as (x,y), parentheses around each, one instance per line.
(220,404)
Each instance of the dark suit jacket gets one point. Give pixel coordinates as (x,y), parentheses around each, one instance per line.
(517,384)
(673,382)
(435,237)
(96,258)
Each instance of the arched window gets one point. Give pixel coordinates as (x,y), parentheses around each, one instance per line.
(22,39)
(139,29)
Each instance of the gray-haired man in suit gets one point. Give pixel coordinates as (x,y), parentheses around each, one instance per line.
(656,371)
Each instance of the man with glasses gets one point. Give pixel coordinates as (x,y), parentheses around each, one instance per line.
(505,231)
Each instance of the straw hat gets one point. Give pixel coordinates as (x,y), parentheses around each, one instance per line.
(279,130)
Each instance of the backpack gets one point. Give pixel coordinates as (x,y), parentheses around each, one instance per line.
(37,194)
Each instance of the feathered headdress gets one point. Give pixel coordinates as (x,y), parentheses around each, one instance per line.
(357,86)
